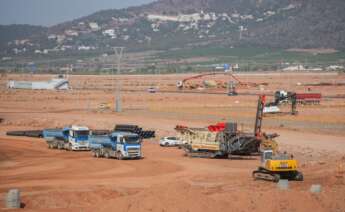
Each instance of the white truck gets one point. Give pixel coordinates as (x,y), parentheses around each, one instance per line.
(120,145)
(69,138)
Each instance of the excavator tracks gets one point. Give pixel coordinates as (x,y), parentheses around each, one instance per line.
(262,174)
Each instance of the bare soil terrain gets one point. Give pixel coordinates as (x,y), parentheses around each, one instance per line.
(166,180)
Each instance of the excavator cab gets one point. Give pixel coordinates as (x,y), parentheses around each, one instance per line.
(266,155)
(276,166)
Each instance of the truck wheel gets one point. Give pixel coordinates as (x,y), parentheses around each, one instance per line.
(299,176)
(166,144)
(59,146)
(276,178)
(106,155)
(69,148)
(119,156)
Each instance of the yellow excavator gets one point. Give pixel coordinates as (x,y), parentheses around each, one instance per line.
(276,166)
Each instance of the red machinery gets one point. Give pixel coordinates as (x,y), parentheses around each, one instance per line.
(311,98)
(180,84)
(217,127)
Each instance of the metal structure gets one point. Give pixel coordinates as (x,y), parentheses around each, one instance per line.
(180,84)
(53,84)
(259,116)
(232,89)
(224,139)
(118,53)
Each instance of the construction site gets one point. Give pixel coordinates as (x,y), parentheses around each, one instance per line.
(255,141)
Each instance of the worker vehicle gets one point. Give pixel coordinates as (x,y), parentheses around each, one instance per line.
(120,145)
(276,166)
(225,140)
(69,138)
(285,97)
(170,141)
(152,90)
(282,96)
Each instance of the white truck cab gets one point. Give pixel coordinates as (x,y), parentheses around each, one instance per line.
(78,138)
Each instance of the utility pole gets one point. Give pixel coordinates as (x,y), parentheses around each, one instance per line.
(241,28)
(118,53)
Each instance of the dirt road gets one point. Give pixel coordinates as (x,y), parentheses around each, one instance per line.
(166,180)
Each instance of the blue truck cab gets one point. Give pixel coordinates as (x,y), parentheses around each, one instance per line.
(69,138)
(120,145)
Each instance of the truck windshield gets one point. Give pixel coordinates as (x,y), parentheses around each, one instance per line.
(133,139)
(81,133)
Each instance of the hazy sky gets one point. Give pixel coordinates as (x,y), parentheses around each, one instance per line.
(50,12)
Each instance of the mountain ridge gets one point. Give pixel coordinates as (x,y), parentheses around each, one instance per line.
(167,24)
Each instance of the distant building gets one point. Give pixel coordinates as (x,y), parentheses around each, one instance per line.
(153,17)
(60,38)
(194,17)
(335,68)
(72,33)
(86,48)
(294,68)
(54,84)
(6,58)
(21,42)
(52,37)
(109,32)
(94,26)
(247,17)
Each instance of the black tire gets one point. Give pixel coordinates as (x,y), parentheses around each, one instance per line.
(59,146)
(253,174)
(276,178)
(119,155)
(69,148)
(166,144)
(298,176)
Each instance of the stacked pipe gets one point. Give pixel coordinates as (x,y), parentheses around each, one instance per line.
(135,129)
(101,132)
(27,133)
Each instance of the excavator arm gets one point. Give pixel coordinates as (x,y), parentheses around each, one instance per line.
(259,116)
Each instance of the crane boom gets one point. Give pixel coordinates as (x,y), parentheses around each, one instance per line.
(180,84)
(259,115)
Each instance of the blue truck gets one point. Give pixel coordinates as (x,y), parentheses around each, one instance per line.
(69,138)
(119,145)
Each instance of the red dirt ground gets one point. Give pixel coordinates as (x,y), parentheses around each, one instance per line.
(166,180)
